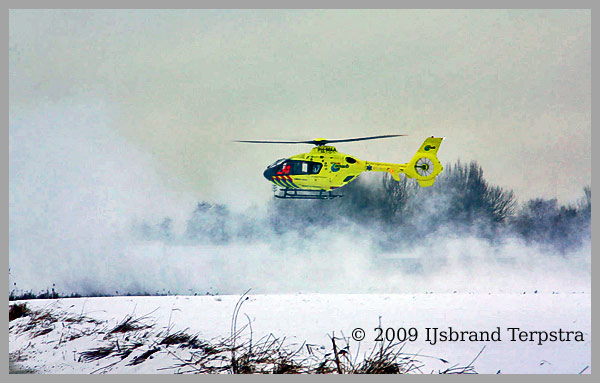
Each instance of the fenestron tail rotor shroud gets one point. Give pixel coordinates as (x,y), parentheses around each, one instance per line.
(424,166)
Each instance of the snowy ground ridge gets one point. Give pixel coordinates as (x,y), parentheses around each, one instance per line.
(296,333)
(137,345)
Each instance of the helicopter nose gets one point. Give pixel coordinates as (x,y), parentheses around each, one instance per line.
(269,173)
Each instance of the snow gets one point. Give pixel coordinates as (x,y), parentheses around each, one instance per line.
(313,318)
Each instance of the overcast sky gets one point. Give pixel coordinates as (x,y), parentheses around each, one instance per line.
(134,99)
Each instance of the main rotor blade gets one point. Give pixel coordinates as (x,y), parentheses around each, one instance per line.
(366,138)
(274,142)
(320,142)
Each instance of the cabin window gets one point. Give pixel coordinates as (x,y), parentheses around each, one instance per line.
(314,168)
(295,167)
(350,160)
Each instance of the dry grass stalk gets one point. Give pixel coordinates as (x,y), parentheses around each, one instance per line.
(142,357)
(129,323)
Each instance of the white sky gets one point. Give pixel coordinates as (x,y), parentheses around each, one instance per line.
(509,89)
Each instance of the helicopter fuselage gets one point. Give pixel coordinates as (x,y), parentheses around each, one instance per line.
(314,175)
(323,168)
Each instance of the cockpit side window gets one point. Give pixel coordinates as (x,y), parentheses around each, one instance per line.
(285,168)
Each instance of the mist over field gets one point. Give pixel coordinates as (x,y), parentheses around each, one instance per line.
(89,215)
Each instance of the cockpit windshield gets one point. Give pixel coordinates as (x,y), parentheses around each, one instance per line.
(278,162)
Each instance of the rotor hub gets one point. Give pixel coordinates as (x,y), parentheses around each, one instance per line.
(424,167)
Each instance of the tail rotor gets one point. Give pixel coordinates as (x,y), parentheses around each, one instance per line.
(425,166)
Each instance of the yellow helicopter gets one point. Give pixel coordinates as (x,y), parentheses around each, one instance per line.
(317,174)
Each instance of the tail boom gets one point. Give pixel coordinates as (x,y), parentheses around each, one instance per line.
(393,169)
(424,165)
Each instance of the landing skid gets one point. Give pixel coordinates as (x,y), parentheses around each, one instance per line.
(305,194)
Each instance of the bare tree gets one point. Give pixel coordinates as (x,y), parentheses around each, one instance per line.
(396,196)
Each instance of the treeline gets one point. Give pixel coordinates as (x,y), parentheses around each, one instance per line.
(462,202)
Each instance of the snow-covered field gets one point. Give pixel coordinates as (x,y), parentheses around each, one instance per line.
(312,318)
